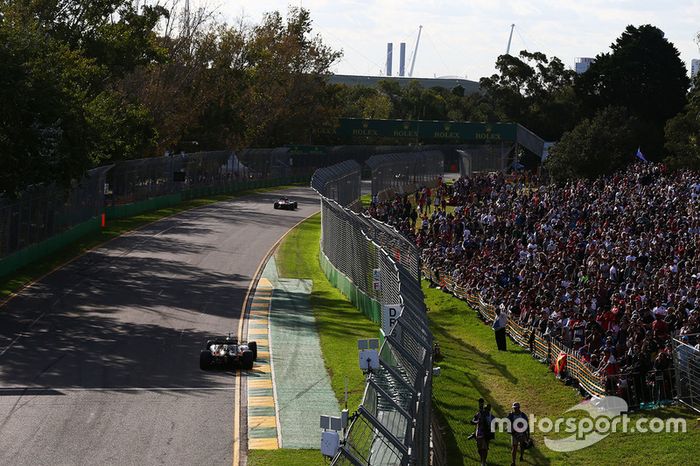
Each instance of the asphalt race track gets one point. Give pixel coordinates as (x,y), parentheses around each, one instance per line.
(99,361)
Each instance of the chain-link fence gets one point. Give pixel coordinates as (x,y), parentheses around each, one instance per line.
(479,158)
(136,180)
(42,212)
(687,366)
(46,218)
(400,248)
(405,172)
(340,182)
(393,423)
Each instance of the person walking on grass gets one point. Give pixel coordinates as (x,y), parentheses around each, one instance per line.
(519,431)
(499,327)
(482,419)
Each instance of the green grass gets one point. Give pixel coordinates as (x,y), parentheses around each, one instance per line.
(473,369)
(12,283)
(339,324)
(285,457)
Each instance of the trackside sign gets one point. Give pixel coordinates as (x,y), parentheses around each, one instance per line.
(390,313)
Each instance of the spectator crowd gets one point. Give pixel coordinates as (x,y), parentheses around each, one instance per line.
(609,268)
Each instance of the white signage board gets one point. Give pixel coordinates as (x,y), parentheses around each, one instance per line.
(390,313)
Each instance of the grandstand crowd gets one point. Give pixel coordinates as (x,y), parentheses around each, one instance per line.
(609,268)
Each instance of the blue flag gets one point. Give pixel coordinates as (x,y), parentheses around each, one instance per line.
(640,156)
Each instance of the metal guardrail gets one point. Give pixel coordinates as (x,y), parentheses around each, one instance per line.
(394,421)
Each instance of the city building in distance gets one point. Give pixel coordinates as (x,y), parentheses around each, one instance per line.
(583,63)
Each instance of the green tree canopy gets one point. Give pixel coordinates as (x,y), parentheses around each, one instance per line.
(683,133)
(59,111)
(643,73)
(44,135)
(595,147)
(534,91)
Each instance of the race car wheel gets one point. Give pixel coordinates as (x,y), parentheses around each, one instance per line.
(277,206)
(295,205)
(247,360)
(253,346)
(205,359)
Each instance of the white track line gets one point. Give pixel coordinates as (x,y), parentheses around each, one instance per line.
(4,390)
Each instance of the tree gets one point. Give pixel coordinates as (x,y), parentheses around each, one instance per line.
(111,32)
(683,133)
(60,114)
(532,90)
(286,95)
(122,130)
(643,73)
(44,133)
(595,147)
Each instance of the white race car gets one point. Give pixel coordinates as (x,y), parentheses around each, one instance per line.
(286,204)
(228,353)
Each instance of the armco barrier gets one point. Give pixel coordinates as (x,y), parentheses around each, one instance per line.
(541,346)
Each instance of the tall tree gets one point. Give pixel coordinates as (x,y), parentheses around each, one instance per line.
(112,32)
(683,133)
(643,73)
(595,147)
(286,68)
(534,91)
(44,132)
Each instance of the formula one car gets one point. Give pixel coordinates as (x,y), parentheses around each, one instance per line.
(228,353)
(286,204)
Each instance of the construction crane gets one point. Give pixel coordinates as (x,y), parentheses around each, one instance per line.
(415,52)
(510,38)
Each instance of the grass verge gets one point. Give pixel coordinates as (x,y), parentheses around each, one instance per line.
(286,457)
(14,282)
(473,369)
(339,325)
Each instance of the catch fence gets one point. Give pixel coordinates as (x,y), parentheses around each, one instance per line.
(42,212)
(686,360)
(481,158)
(404,172)
(44,219)
(339,182)
(392,426)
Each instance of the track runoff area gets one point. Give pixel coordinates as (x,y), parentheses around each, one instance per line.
(99,359)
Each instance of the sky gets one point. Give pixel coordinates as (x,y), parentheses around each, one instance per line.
(464,37)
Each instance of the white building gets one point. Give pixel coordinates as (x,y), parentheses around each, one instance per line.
(583,63)
(694,67)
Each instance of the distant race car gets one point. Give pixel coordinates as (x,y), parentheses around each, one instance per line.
(228,353)
(286,204)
